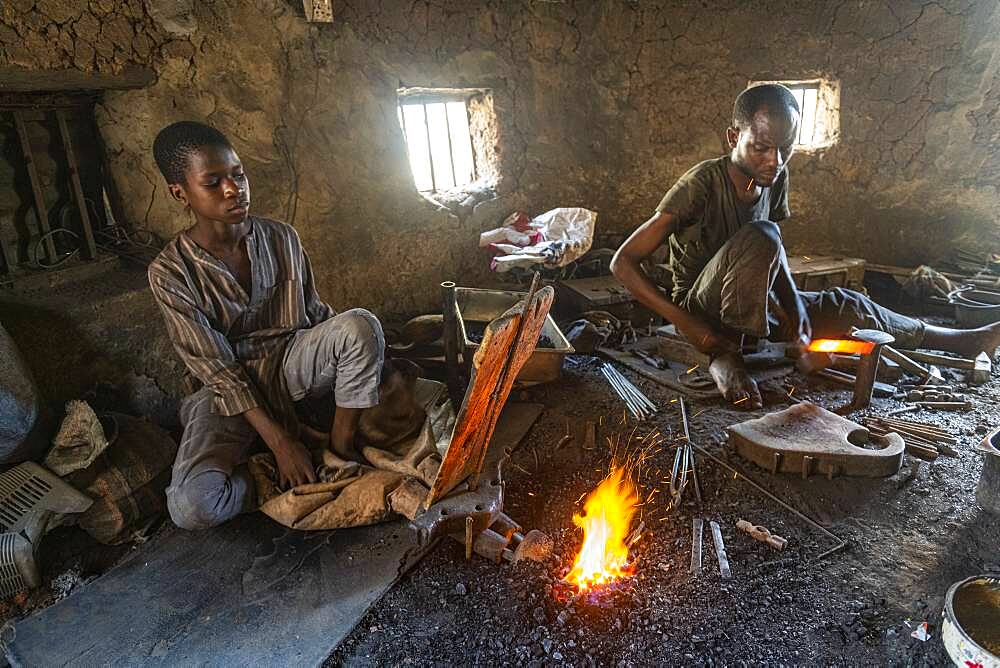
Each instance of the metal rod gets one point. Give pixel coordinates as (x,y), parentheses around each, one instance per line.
(451,151)
(678,475)
(469,538)
(635,390)
(720,551)
(696,532)
(430,154)
(630,388)
(468,120)
(450,338)
(624,397)
(687,438)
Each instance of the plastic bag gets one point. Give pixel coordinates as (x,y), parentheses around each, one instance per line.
(24,421)
(553,239)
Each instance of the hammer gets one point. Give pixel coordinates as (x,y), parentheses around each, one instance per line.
(910,366)
(979,369)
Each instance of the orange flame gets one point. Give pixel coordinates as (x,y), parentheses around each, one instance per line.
(845,346)
(608,515)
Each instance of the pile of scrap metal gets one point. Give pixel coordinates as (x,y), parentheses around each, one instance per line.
(594,329)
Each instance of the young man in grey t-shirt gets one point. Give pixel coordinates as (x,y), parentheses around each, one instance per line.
(730,273)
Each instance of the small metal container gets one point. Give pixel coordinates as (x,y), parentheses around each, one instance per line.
(975,308)
(971,624)
(477,307)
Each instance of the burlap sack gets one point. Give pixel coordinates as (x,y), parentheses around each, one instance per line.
(127,480)
(81,440)
(394,480)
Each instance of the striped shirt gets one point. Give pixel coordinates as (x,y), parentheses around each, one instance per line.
(234,343)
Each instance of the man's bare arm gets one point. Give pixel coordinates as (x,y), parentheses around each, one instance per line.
(294,461)
(626,267)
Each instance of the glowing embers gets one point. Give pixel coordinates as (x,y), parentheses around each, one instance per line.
(608,513)
(843,346)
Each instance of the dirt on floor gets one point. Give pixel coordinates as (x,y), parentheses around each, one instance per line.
(910,537)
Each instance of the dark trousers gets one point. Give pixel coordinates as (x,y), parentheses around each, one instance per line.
(735,292)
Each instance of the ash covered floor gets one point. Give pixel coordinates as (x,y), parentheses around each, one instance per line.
(910,537)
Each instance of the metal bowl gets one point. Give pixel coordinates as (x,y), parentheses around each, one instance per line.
(971,627)
(974,307)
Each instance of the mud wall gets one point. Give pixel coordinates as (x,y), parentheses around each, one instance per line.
(599,103)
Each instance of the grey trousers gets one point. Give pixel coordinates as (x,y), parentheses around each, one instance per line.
(734,291)
(210,482)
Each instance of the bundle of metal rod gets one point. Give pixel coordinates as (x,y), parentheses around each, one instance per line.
(923,440)
(638,404)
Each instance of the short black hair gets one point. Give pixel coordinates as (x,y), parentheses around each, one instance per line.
(175,143)
(773,96)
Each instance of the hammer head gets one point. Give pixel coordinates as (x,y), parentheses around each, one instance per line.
(981,370)
(934,374)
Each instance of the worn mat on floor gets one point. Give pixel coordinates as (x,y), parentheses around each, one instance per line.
(247,593)
(694,382)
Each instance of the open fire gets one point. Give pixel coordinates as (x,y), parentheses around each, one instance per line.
(608,514)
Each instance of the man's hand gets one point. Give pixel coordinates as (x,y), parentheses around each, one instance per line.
(294,461)
(805,329)
(800,324)
(295,465)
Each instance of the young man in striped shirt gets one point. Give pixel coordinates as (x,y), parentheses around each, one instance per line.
(241,309)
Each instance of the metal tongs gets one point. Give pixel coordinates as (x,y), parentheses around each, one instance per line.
(683,461)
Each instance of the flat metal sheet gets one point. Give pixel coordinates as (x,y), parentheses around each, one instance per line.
(250,592)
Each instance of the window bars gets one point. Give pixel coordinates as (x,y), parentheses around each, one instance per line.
(438,141)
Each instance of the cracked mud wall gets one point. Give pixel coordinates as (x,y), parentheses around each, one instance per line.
(599,103)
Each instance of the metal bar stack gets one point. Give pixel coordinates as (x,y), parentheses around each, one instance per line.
(638,403)
(923,440)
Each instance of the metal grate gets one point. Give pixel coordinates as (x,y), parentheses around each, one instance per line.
(28,488)
(29,495)
(807,95)
(20,493)
(438,142)
(16,554)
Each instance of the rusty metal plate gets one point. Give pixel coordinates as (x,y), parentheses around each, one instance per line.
(807,439)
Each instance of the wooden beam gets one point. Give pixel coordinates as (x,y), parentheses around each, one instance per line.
(74,179)
(36,187)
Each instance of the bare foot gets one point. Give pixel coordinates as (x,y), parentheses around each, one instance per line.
(965,342)
(314,439)
(984,339)
(735,384)
(346,451)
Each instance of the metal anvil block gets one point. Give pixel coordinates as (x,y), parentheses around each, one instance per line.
(807,440)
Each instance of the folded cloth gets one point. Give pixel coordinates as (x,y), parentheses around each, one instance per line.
(926,282)
(81,439)
(402,437)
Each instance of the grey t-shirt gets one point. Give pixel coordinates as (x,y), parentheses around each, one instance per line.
(709,213)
